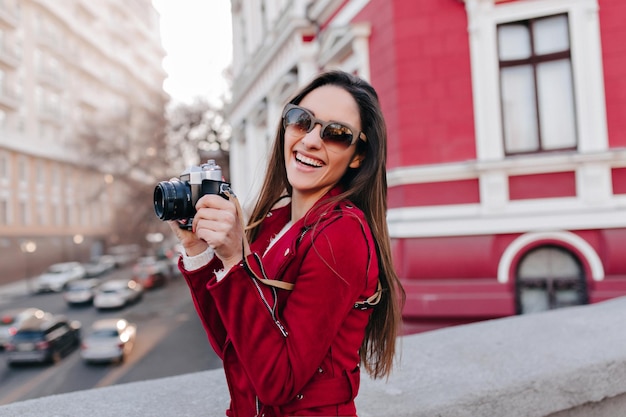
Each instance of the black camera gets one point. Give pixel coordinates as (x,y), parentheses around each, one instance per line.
(176,199)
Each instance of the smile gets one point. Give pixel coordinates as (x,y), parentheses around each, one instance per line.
(308,161)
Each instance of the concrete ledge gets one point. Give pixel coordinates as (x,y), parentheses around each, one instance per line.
(564,363)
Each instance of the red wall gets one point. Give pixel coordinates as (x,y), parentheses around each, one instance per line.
(435,193)
(420,66)
(422,74)
(618,176)
(450,279)
(613,33)
(550,185)
(379,14)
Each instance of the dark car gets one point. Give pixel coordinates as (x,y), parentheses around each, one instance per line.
(43,341)
(13,319)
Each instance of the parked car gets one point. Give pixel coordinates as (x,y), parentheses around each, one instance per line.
(43,341)
(109,340)
(124,254)
(57,275)
(99,266)
(117,293)
(12,320)
(80,291)
(173,256)
(152,272)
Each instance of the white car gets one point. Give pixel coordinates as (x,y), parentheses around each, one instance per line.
(117,293)
(57,276)
(99,266)
(80,291)
(109,340)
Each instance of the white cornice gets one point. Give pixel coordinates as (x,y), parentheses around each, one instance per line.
(258,64)
(522,165)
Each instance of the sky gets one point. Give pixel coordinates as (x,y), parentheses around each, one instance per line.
(197,38)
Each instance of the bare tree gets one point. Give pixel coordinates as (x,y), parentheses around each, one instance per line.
(201,132)
(131,148)
(139,148)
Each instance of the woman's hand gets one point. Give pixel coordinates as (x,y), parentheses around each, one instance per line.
(191,243)
(216,223)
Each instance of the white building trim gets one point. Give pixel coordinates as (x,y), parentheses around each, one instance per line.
(592,258)
(469,220)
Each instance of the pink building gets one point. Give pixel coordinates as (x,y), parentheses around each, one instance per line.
(507,153)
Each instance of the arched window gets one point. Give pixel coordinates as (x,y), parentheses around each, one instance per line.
(549,277)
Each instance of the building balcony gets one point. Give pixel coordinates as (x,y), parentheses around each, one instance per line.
(9,56)
(8,14)
(51,114)
(53,79)
(8,97)
(51,41)
(90,98)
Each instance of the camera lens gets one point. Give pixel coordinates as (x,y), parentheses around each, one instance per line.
(172,200)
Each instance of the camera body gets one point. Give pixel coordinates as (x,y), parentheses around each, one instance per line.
(176,199)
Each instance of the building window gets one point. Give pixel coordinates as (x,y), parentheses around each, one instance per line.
(41,175)
(549,277)
(4,212)
(56,214)
(23,171)
(4,167)
(516,48)
(41,214)
(24,213)
(536,86)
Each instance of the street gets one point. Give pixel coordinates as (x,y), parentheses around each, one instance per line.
(170,341)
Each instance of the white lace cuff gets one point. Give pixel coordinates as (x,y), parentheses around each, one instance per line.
(192,263)
(219,275)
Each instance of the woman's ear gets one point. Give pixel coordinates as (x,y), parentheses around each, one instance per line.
(356,161)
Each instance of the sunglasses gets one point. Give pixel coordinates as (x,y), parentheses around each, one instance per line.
(299,121)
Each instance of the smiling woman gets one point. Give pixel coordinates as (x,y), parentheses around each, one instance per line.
(317,294)
(197,38)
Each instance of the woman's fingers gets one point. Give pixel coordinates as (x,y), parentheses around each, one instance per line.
(216,222)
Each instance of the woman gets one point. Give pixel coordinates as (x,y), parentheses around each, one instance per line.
(314,295)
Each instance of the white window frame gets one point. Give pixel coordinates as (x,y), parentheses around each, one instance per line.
(586,58)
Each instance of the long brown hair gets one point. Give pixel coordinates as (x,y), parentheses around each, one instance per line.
(366,187)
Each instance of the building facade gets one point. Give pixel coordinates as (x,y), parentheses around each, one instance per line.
(65,67)
(507,143)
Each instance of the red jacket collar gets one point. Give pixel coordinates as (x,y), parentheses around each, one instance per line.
(283,214)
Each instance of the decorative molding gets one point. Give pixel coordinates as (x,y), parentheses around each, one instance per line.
(337,42)
(517,217)
(591,257)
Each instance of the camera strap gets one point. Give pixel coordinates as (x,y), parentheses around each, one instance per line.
(245,245)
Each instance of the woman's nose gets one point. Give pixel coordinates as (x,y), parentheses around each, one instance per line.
(313,139)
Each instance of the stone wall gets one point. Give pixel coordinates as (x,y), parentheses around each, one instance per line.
(563,363)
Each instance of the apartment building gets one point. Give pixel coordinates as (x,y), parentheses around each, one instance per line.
(507,151)
(66,68)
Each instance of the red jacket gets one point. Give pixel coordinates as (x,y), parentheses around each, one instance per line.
(293,352)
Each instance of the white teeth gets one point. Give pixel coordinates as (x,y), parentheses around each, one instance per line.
(308,161)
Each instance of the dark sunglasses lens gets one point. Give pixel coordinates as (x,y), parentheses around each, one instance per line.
(298,120)
(337,133)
